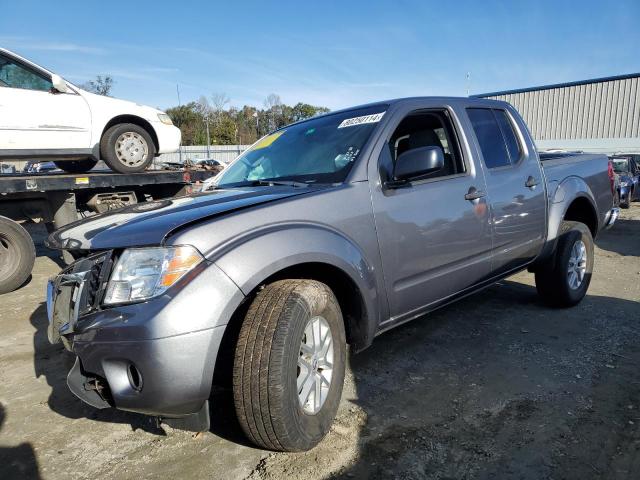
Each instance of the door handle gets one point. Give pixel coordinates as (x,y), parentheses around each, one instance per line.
(474,194)
(531,182)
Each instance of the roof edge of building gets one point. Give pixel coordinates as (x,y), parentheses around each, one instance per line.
(558,85)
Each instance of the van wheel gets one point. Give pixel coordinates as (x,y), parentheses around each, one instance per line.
(76,166)
(564,282)
(17,255)
(127,148)
(289,365)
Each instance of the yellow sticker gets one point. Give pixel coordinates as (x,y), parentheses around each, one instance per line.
(82,180)
(268,140)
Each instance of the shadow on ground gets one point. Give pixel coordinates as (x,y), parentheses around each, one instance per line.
(17,461)
(500,386)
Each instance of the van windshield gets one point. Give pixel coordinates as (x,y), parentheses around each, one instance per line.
(318,150)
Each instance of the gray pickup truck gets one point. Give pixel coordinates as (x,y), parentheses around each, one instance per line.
(323,234)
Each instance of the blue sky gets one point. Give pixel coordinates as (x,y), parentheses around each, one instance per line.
(327,52)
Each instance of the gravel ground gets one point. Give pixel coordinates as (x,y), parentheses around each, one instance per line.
(495,386)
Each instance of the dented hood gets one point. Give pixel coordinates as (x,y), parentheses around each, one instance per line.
(149,223)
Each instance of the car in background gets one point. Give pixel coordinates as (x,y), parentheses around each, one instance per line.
(627,168)
(43,116)
(36,166)
(7,169)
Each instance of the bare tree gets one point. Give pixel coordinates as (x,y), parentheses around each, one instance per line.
(101,85)
(218,102)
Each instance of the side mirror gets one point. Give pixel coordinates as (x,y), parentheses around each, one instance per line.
(418,161)
(59,84)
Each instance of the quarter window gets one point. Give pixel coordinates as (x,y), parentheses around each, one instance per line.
(496,136)
(15,75)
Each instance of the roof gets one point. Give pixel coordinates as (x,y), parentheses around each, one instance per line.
(558,85)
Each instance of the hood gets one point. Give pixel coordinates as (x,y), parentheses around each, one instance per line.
(149,223)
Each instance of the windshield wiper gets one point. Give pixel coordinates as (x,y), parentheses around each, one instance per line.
(271,183)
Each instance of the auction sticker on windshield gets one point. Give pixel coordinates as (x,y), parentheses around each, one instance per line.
(352,122)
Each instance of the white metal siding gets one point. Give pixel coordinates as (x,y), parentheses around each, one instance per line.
(608,109)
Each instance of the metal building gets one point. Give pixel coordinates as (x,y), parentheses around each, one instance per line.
(598,115)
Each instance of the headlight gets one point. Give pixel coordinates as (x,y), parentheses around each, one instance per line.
(624,184)
(164,118)
(144,273)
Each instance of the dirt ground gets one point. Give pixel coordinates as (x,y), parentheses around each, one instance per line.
(495,386)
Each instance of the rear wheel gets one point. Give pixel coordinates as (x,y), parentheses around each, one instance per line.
(17,255)
(564,283)
(127,148)
(289,365)
(76,166)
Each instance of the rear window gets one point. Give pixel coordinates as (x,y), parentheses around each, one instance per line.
(496,136)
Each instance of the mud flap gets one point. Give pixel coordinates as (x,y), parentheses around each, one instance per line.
(196,422)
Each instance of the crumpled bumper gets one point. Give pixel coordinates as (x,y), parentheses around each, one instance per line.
(156,357)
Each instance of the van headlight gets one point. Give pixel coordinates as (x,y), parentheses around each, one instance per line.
(164,118)
(144,273)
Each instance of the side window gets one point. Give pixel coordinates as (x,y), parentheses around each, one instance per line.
(509,135)
(14,75)
(489,135)
(428,129)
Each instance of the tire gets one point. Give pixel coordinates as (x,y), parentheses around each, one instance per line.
(76,166)
(554,280)
(270,357)
(130,140)
(17,255)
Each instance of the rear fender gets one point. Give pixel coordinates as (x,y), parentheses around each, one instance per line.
(569,190)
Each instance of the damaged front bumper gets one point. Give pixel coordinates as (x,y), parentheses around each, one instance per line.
(156,357)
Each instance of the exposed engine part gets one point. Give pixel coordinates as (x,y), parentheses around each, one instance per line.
(103,202)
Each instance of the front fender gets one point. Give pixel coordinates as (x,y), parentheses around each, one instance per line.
(249,260)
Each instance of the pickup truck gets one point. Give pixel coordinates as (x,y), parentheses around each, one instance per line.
(322,235)
(43,116)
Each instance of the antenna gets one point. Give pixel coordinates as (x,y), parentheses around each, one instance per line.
(468,78)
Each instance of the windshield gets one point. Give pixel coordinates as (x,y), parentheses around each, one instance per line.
(321,150)
(620,165)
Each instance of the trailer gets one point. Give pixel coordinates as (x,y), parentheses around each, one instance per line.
(61,198)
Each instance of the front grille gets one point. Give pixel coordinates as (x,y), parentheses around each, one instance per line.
(95,269)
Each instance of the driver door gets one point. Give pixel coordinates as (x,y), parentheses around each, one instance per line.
(434,242)
(35,117)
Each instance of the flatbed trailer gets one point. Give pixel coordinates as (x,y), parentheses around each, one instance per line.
(61,198)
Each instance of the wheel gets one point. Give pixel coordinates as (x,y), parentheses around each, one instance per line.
(564,283)
(127,148)
(76,166)
(289,365)
(17,255)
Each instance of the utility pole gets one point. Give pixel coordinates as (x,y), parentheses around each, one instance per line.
(179,105)
(208,136)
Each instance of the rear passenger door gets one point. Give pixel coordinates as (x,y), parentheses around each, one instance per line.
(515,187)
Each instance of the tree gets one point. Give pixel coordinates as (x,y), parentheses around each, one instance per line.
(101,85)
(233,125)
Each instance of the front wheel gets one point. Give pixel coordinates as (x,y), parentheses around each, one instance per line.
(289,365)
(564,283)
(127,148)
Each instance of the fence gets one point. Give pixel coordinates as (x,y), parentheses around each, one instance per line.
(223,153)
